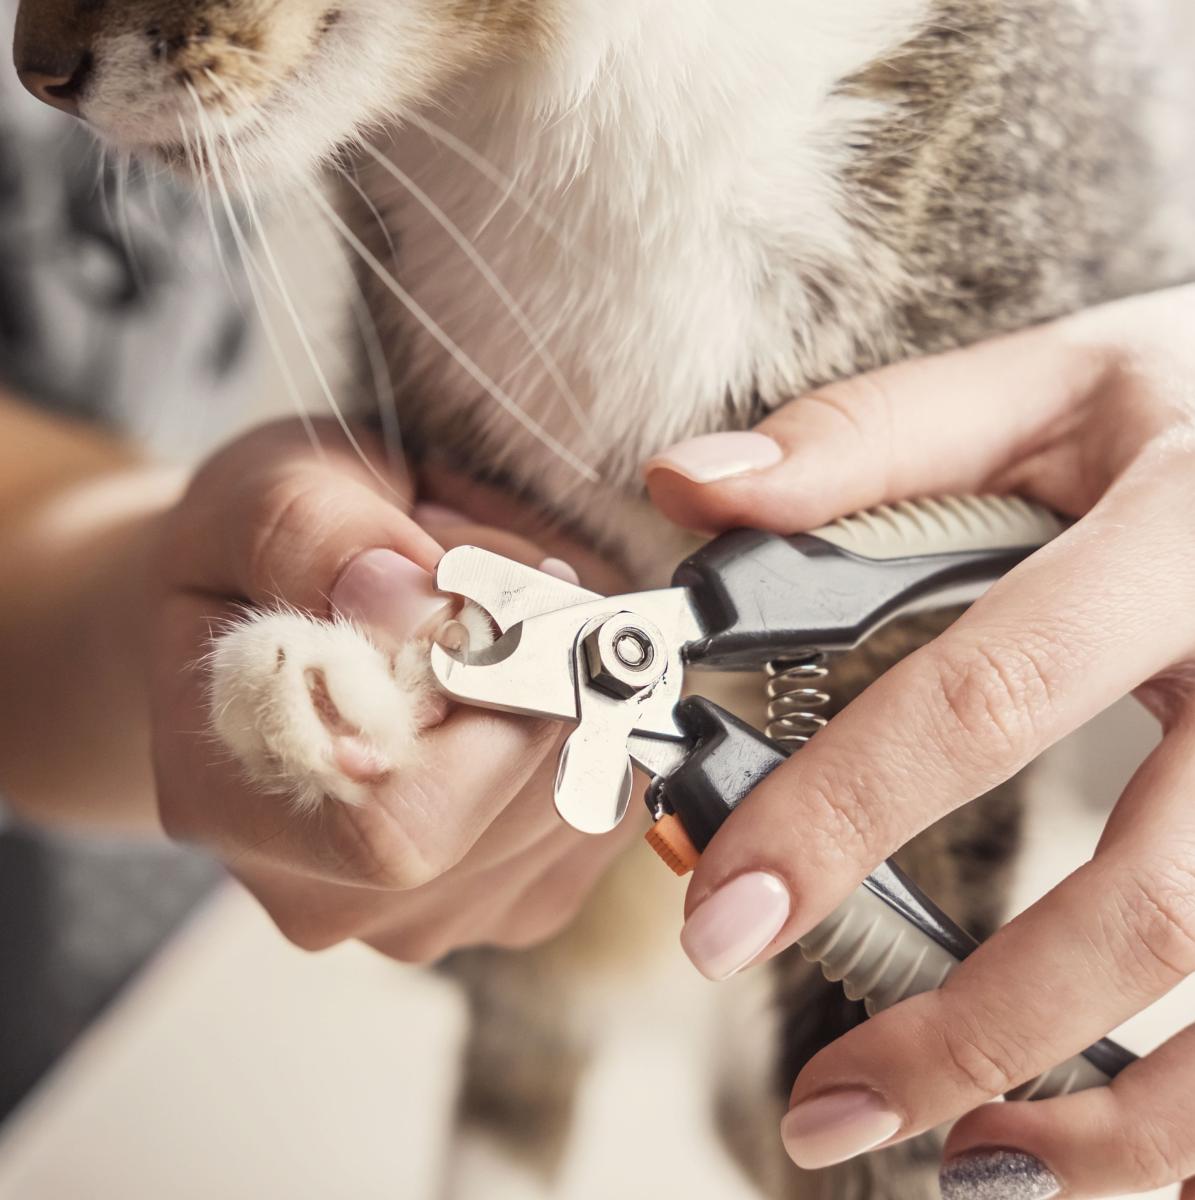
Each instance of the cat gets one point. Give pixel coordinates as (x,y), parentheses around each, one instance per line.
(693,212)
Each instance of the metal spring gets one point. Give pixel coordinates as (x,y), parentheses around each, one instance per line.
(797,699)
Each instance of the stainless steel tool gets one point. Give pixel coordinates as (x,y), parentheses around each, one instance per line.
(614,668)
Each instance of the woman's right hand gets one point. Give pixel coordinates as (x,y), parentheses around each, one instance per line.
(466,847)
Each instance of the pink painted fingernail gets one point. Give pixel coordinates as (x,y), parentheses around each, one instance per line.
(730,929)
(389,595)
(835,1126)
(558,568)
(430,515)
(717,456)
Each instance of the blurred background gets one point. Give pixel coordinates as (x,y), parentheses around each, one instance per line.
(159,1040)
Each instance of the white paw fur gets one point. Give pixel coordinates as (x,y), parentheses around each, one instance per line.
(315,709)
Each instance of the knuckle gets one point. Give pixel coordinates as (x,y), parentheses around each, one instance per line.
(841,808)
(165,795)
(1157,923)
(173,819)
(991,697)
(310,935)
(286,512)
(526,935)
(534,924)
(416,946)
(862,404)
(175,816)
(863,409)
(369,850)
(1155,1148)
(980,1065)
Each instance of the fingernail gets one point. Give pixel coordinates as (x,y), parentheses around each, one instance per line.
(836,1126)
(717,456)
(559,569)
(732,927)
(430,515)
(388,594)
(997,1175)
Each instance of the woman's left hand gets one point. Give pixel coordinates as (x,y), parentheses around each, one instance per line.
(1093,415)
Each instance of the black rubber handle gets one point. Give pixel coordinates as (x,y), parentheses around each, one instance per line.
(762,596)
(729,759)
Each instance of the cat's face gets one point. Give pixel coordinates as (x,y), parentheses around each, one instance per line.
(285,80)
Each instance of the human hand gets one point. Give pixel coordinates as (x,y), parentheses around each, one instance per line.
(464,847)
(1093,415)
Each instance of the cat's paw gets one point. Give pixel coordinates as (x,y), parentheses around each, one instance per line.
(315,709)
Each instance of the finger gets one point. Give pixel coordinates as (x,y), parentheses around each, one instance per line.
(950,423)
(451,528)
(419,925)
(316,914)
(1133,1136)
(1037,656)
(481,503)
(268,520)
(551,902)
(395,599)
(416,827)
(1108,941)
(501,904)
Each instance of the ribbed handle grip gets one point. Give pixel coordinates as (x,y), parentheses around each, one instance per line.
(877,955)
(881,959)
(943,525)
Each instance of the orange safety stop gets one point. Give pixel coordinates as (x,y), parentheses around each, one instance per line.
(667,837)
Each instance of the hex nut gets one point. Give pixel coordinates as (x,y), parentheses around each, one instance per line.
(623,655)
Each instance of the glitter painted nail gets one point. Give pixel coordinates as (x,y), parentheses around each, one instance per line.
(997,1175)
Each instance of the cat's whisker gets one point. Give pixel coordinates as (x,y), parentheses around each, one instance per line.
(152,193)
(483,268)
(371,340)
(194,162)
(391,431)
(103,182)
(462,360)
(296,320)
(233,48)
(510,190)
(248,256)
(123,226)
(208,141)
(391,435)
(282,291)
(101,179)
(372,209)
(378,362)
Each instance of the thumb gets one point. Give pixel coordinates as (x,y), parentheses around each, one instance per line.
(395,599)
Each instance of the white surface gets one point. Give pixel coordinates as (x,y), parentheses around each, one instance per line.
(240,1068)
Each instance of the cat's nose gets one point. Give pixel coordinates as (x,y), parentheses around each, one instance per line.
(52,50)
(60,87)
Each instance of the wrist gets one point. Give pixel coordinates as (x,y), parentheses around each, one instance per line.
(76,602)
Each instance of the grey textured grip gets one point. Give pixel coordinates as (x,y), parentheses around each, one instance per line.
(881,959)
(879,956)
(943,525)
